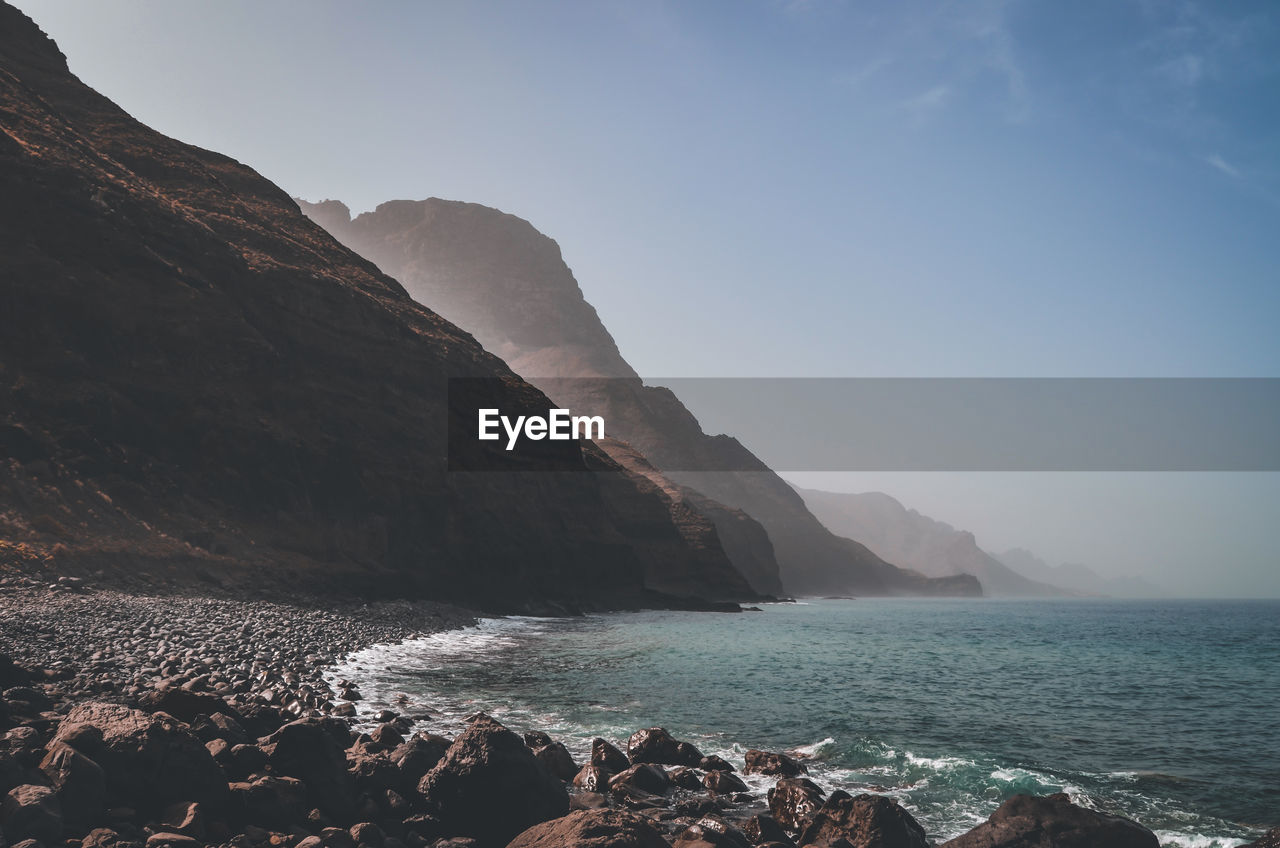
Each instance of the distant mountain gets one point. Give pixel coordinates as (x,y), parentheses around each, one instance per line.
(1079,578)
(199,384)
(910,539)
(504,281)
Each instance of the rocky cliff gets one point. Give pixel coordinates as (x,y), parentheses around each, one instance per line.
(199,383)
(507,283)
(916,541)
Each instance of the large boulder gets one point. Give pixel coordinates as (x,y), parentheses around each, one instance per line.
(592,829)
(489,786)
(711,832)
(80,784)
(723,783)
(793,799)
(656,745)
(643,776)
(31,812)
(1029,821)
(419,755)
(149,761)
(312,751)
(608,757)
(1270,839)
(867,821)
(775,765)
(556,759)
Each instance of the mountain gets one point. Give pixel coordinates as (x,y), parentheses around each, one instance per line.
(497,276)
(1078,578)
(916,541)
(197,383)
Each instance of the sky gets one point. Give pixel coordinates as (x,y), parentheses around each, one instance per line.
(811,188)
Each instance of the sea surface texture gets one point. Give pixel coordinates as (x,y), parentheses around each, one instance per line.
(1167,712)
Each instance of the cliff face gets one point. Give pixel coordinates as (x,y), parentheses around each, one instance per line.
(918,542)
(505,282)
(196,381)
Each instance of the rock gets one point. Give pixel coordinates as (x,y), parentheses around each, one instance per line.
(592,778)
(387,735)
(246,760)
(311,750)
(793,799)
(1270,839)
(588,800)
(376,774)
(31,812)
(490,787)
(12,674)
(102,837)
(25,745)
(685,778)
(764,828)
(185,817)
(12,772)
(367,834)
(419,755)
(556,759)
(27,700)
(85,738)
(165,839)
(182,704)
(270,802)
(724,783)
(711,762)
(867,821)
(536,739)
(643,776)
(148,760)
(219,726)
(605,755)
(776,765)
(712,832)
(592,829)
(80,784)
(655,745)
(1029,821)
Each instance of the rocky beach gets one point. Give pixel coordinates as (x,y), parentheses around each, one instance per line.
(183,721)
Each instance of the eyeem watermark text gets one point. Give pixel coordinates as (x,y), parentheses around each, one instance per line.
(558,426)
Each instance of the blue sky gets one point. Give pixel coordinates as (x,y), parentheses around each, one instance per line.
(808,188)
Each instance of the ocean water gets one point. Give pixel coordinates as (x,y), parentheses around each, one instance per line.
(1167,712)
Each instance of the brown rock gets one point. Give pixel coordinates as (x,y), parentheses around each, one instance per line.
(556,759)
(592,778)
(793,799)
(1029,821)
(656,745)
(1270,839)
(867,821)
(31,812)
(185,817)
(490,787)
(712,832)
(605,755)
(165,839)
(311,750)
(592,829)
(685,778)
(723,783)
(762,829)
(80,784)
(419,755)
(643,776)
(778,765)
(712,762)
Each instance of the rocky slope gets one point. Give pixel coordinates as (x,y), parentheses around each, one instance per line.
(198,383)
(916,541)
(507,283)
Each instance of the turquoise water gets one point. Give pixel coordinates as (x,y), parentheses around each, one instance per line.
(1167,712)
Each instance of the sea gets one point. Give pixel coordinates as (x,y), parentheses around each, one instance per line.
(1167,712)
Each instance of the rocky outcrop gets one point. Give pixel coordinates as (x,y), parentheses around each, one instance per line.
(1029,821)
(592,829)
(766,762)
(656,745)
(502,280)
(201,387)
(865,821)
(792,800)
(915,541)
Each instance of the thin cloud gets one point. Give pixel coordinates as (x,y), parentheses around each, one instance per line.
(923,105)
(1224,166)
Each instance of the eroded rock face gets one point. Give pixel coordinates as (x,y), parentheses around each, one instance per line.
(1029,821)
(867,821)
(152,757)
(656,745)
(592,829)
(490,787)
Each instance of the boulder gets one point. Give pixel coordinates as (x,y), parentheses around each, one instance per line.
(80,784)
(12,772)
(608,757)
(31,812)
(182,704)
(536,739)
(867,821)
(419,755)
(166,839)
(685,778)
(149,761)
(271,802)
(655,745)
(712,832)
(1030,821)
(1270,839)
(793,799)
(311,750)
(592,829)
(724,783)
(643,776)
(765,828)
(490,787)
(556,759)
(592,778)
(367,834)
(774,765)
(712,762)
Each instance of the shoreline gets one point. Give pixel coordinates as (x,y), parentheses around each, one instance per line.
(230,682)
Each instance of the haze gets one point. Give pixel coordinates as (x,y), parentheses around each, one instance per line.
(813,189)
